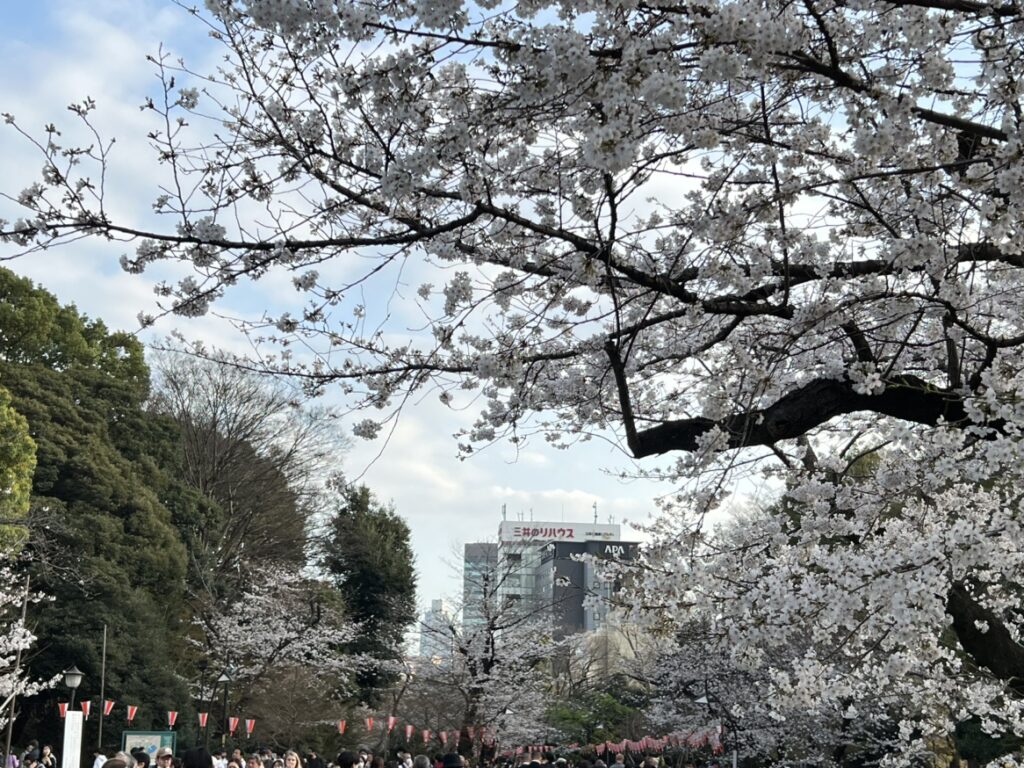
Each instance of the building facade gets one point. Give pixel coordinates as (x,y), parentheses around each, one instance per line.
(546,569)
(479,567)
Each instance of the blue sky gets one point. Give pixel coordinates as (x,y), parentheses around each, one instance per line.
(54,52)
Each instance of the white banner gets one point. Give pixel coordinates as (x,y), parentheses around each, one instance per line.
(71,752)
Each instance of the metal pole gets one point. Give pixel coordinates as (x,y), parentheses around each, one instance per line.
(103,689)
(224,735)
(17,669)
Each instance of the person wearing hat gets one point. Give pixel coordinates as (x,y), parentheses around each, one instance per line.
(164,757)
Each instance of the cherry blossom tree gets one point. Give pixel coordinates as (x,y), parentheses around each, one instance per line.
(498,673)
(738,237)
(281,622)
(16,638)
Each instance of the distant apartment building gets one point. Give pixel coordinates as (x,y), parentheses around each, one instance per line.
(436,633)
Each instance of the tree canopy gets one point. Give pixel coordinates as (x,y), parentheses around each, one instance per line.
(366,553)
(727,233)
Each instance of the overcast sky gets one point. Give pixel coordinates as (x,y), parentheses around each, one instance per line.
(54,52)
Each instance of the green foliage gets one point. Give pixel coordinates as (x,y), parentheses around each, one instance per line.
(596,717)
(17,464)
(103,543)
(371,562)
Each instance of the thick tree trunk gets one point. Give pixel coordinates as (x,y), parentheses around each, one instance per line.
(992,647)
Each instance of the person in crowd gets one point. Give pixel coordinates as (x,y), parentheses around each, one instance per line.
(313,760)
(98,759)
(421,761)
(197,757)
(346,760)
(278,763)
(254,761)
(376,762)
(114,762)
(47,758)
(232,763)
(31,752)
(164,757)
(619,761)
(129,761)
(236,755)
(141,758)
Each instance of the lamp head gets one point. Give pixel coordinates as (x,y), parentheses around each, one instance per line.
(73,677)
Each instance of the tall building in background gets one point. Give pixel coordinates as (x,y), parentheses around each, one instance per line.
(547,569)
(580,593)
(435,632)
(479,566)
(522,547)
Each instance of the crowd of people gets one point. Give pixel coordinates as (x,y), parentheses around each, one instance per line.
(198,757)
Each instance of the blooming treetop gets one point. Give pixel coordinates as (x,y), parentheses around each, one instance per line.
(282,621)
(722,230)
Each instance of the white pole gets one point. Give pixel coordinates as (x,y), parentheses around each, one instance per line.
(71,752)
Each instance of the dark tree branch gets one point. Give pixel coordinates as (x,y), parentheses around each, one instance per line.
(904,397)
(993,647)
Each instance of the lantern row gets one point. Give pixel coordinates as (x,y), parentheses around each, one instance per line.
(172,716)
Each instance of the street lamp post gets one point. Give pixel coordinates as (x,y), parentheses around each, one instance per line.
(72,679)
(71,754)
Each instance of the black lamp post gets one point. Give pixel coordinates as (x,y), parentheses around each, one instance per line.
(72,679)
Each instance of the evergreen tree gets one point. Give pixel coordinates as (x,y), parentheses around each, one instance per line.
(102,543)
(370,560)
(17,463)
